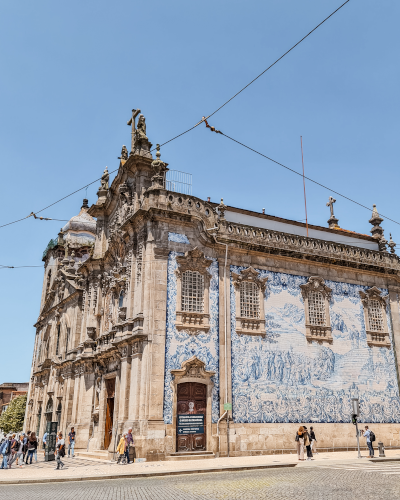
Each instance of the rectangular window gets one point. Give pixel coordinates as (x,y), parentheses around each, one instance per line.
(375,317)
(192,291)
(316,308)
(249,300)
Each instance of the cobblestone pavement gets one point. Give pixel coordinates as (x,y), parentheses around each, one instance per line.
(304,483)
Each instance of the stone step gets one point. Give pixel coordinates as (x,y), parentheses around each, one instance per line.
(93,455)
(190,455)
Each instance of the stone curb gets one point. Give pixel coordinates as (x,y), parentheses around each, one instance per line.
(139,475)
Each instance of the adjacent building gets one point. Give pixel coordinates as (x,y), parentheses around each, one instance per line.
(10,391)
(167,313)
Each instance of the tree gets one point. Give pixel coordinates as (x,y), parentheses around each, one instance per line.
(12,420)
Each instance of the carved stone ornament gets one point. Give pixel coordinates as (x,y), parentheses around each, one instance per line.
(318,326)
(250,325)
(190,321)
(375,336)
(193,368)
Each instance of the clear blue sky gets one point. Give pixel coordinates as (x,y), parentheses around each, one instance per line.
(72,71)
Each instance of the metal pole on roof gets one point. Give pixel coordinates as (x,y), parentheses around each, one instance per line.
(304,182)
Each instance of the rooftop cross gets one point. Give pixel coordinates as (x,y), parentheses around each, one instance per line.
(330,205)
(132,122)
(332,221)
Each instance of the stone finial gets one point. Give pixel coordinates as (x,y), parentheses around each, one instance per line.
(124,154)
(332,221)
(221,209)
(60,239)
(85,203)
(375,220)
(392,245)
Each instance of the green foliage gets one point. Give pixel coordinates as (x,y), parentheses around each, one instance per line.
(12,420)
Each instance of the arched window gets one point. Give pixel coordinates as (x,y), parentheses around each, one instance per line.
(58,339)
(49,407)
(121,299)
(192,291)
(58,412)
(316,308)
(48,280)
(39,418)
(376,325)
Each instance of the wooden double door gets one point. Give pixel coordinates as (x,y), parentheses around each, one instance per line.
(110,388)
(191,417)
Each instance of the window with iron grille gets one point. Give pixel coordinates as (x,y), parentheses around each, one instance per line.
(249,300)
(316,308)
(375,316)
(192,291)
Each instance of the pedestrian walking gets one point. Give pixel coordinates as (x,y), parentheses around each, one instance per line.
(130,445)
(307,443)
(25,449)
(71,443)
(370,438)
(313,441)
(300,443)
(60,451)
(20,451)
(14,449)
(121,448)
(5,450)
(44,443)
(32,446)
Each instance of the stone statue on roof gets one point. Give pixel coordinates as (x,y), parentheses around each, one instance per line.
(140,133)
(104,179)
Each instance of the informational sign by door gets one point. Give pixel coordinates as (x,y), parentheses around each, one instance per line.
(190,424)
(51,439)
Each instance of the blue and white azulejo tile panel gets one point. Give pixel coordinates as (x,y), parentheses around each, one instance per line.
(283,378)
(180,346)
(178,238)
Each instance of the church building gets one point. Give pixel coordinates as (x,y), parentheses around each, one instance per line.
(211,329)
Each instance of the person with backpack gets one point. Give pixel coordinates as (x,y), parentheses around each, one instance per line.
(5,450)
(370,438)
(32,447)
(60,451)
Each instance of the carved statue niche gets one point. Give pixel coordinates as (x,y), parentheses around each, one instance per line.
(249,299)
(316,296)
(193,292)
(374,304)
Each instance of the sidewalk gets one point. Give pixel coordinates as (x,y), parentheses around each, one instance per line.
(82,470)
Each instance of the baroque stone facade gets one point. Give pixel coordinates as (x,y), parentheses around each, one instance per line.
(157,304)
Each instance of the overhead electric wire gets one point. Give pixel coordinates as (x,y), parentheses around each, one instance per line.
(201,121)
(308,178)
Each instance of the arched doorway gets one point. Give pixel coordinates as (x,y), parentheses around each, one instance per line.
(110,388)
(191,417)
(49,410)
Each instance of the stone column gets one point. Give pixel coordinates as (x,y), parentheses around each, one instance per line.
(126,361)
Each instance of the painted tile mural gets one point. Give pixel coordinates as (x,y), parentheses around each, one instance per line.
(181,346)
(283,378)
(178,238)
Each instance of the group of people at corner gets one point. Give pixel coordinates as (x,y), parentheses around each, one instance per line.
(305,439)
(21,448)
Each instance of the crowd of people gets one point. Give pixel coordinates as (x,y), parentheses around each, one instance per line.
(19,448)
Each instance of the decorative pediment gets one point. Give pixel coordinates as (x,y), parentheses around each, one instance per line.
(192,368)
(373,294)
(249,274)
(316,284)
(193,260)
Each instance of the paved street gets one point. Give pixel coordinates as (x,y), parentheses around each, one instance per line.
(364,481)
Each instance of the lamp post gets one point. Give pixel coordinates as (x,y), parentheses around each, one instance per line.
(356,413)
